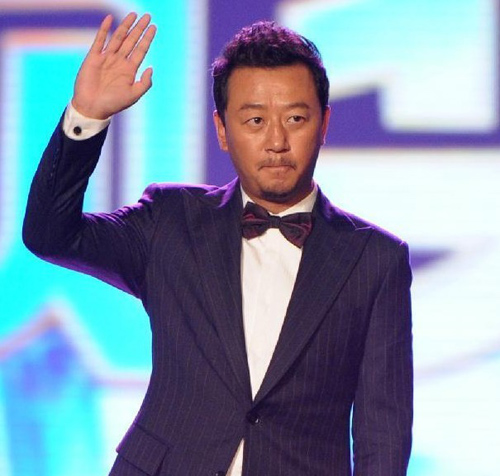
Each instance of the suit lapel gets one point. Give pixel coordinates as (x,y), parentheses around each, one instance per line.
(214,224)
(329,256)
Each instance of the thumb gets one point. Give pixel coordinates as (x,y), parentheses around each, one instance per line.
(144,83)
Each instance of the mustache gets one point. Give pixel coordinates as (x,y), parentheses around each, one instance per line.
(277,162)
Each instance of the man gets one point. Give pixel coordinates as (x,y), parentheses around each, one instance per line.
(262,343)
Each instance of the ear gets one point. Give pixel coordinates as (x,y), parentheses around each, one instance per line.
(221,131)
(324,126)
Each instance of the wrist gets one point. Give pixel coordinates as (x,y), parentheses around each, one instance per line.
(90,113)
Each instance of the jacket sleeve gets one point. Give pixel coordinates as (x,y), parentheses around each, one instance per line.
(383,405)
(109,246)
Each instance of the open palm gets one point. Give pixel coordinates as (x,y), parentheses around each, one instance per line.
(106,83)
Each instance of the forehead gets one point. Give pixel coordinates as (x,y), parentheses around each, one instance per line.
(269,86)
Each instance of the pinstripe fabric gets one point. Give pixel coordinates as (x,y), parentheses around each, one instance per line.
(346,339)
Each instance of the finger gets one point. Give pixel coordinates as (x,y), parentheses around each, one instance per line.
(140,51)
(102,34)
(134,35)
(121,33)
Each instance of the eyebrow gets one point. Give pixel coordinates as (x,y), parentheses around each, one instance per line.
(257,106)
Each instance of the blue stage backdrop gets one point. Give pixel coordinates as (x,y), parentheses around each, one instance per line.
(415,102)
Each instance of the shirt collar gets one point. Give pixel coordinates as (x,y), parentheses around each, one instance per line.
(304,206)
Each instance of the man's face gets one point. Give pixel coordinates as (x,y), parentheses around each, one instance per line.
(274,128)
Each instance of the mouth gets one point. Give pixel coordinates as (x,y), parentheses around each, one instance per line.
(282,165)
(278,169)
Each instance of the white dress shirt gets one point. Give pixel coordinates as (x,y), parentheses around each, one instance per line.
(269,266)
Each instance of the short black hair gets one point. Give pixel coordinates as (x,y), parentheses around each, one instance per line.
(267,45)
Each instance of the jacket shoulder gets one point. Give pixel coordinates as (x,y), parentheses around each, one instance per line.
(378,232)
(211,194)
(351,221)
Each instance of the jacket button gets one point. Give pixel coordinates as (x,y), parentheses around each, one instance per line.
(253,418)
(220,473)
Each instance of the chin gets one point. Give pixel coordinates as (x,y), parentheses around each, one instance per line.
(277,195)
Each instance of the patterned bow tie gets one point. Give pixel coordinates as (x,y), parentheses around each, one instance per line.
(294,227)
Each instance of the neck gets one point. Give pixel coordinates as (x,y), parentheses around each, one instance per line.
(276,206)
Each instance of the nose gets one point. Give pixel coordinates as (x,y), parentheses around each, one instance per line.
(277,138)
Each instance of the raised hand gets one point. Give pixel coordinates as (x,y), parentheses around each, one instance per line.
(106,83)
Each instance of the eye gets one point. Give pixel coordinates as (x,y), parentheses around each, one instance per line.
(255,121)
(296,119)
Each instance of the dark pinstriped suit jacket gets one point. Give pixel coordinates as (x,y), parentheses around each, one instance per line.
(346,338)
